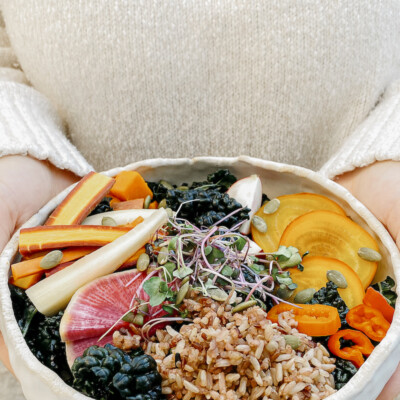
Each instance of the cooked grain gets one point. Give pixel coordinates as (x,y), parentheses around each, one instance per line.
(241,356)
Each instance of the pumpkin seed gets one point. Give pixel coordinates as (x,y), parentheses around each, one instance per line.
(108,221)
(138,320)
(368,254)
(293,341)
(147,201)
(244,306)
(51,260)
(129,317)
(272,206)
(162,203)
(162,257)
(218,294)
(304,296)
(284,293)
(143,308)
(182,293)
(337,278)
(183,188)
(143,262)
(259,224)
(185,279)
(166,184)
(169,211)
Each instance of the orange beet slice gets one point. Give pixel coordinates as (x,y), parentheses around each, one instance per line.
(291,206)
(327,234)
(314,276)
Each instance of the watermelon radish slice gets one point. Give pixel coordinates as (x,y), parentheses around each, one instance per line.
(96,307)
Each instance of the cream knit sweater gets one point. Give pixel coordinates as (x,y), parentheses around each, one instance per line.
(313,83)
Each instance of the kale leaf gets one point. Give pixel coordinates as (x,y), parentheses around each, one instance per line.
(103,206)
(202,203)
(385,288)
(343,372)
(41,334)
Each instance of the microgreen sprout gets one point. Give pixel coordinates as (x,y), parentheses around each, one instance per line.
(216,261)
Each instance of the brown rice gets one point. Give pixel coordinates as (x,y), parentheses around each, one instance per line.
(225,356)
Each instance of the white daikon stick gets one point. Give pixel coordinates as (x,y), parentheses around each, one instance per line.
(121,217)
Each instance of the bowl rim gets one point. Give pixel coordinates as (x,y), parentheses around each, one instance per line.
(365,383)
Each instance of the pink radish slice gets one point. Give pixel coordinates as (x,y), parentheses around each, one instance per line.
(76,348)
(96,307)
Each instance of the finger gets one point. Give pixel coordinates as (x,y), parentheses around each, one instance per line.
(392,388)
(4,354)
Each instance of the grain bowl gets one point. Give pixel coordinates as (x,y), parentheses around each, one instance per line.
(39,382)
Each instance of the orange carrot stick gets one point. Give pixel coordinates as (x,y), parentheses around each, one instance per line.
(56,237)
(134,223)
(81,200)
(27,282)
(32,267)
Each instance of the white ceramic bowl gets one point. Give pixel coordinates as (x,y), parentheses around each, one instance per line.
(39,382)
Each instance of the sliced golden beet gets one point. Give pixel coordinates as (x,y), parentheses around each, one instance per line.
(328,234)
(314,276)
(291,207)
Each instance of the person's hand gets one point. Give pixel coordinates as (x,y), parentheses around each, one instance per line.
(378,187)
(26,185)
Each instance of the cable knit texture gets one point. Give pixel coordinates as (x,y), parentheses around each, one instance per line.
(310,83)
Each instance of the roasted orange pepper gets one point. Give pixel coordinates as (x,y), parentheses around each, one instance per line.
(368,320)
(362,346)
(376,300)
(312,319)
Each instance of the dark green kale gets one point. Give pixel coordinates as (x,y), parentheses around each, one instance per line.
(103,206)
(202,203)
(41,334)
(330,296)
(385,288)
(108,373)
(24,310)
(222,178)
(343,372)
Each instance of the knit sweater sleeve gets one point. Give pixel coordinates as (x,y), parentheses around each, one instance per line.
(376,139)
(29,124)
